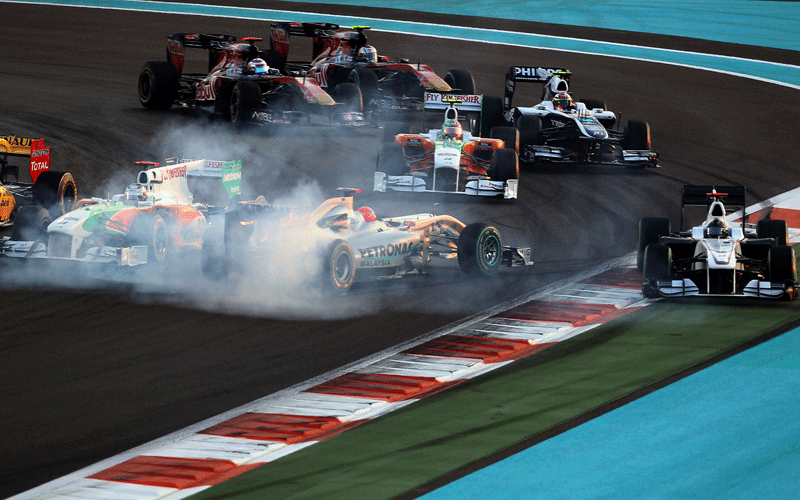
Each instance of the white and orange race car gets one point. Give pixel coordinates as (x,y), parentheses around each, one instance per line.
(155,217)
(45,190)
(353,245)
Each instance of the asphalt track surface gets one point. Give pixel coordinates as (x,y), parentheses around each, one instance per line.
(100,367)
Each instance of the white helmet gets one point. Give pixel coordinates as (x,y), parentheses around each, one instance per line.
(258,66)
(135,193)
(369,53)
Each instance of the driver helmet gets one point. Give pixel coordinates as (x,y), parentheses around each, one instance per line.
(563,101)
(716,228)
(258,66)
(135,193)
(369,53)
(452,129)
(368,214)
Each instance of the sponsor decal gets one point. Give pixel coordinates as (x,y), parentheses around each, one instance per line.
(214,165)
(558,123)
(477,177)
(232,177)
(390,250)
(414,141)
(38,166)
(484,145)
(17,141)
(465,99)
(205,90)
(172,173)
(419,173)
(41,152)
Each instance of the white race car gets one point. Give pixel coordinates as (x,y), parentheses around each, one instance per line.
(157,216)
(450,159)
(715,258)
(560,130)
(354,245)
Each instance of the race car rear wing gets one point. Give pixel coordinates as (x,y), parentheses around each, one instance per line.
(34,149)
(281,31)
(173,177)
(558,79)
(214,43)
(733,198)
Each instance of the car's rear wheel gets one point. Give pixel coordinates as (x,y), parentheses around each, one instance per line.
(158,85)
(339,269)
(530,130)
(55,191)
(367,82)
(479,250)
(245,98)
(349,94)
(461,81)
(391,159)
(491,114)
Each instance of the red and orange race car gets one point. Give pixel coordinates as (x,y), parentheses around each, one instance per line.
(450,159)
(49,194)
(239,85)
(341,56)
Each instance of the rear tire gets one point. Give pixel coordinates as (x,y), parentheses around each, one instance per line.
(245,98)
(461,81)
(158,85)
(651,229)
(55,191)
(339,268)
(391,159)
(479,250)
(367,82)
(30,224)
(350,95)
(491,114)
(768,228)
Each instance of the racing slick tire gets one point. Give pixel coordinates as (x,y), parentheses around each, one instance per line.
(769,228)
(391,129)
(530,130)
(55,191)
(460,80)
(657,266)
(367,82)
(636,136)
(509,135)
(150,230)
(339,267)
(30,224)
(505,165)
(350,95)
(158,85)
(491,114)
(391,159)
(479,250)
(651,229)
(782,264)
(245,97)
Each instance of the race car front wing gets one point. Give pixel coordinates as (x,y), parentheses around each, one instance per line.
(410,183)
(121,256)
(754,288)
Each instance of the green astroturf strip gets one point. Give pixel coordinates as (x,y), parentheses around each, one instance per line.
(584,375)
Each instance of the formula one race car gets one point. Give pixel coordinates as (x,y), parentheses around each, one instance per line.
(449,159)
(342,55)
(239,85)
(560,130)
(50,192)
(715,258)
(356,245)
(156,217)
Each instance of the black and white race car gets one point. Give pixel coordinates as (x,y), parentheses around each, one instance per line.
(716,258)
(560,130)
